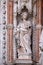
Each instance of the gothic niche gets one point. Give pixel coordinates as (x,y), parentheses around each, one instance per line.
(23,34)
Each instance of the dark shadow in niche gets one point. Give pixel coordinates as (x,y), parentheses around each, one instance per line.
(18,18)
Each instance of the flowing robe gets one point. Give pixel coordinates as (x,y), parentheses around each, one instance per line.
(24,40)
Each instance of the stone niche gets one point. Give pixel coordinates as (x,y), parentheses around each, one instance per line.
(22,29)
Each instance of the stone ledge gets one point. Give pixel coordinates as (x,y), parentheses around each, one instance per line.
(23,61)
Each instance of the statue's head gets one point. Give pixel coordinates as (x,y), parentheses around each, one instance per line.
(24,13)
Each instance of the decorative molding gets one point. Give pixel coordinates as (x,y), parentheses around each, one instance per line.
(4,31)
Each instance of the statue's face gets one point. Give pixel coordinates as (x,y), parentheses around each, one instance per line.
(24,15)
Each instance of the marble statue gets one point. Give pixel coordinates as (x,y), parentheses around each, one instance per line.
(23,35)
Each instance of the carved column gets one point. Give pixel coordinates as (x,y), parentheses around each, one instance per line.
(10,31)
(36,31)
(15,7)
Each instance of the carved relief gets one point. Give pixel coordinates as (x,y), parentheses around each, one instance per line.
(20,43)
(23,31)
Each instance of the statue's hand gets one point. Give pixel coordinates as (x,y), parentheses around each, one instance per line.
(23,29)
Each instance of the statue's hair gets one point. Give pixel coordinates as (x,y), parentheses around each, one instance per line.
(24,9)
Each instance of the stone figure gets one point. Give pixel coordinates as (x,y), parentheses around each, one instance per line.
(23,36)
